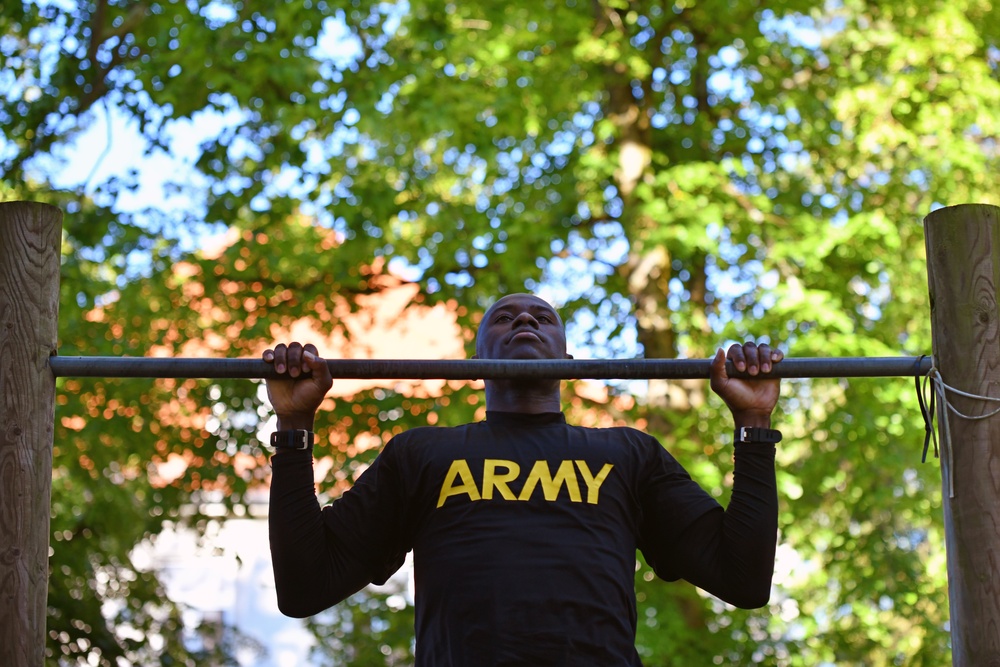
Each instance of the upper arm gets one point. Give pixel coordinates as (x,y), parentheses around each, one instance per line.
(670,502)
(729,553)
(368,525)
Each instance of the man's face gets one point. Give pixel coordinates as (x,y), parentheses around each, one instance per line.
(521,326)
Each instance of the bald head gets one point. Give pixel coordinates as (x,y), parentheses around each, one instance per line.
(521,326)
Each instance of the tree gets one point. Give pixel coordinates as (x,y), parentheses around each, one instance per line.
(675,174)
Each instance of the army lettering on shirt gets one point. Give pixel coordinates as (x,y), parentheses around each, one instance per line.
(506,480)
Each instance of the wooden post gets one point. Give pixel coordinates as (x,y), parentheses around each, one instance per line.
(30,240)
(963,271)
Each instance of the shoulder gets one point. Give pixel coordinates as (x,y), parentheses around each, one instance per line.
(620,434)
(622,443)
(419,437)
(643,450)
(418,434)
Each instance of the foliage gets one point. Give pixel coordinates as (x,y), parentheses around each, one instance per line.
(676,175)
(364,631)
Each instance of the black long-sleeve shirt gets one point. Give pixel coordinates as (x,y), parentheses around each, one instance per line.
(524,531)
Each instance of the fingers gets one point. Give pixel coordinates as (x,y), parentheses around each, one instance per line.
(294,358)
(752,359)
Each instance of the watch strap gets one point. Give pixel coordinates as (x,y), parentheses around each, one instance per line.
(757,434)
(298,439)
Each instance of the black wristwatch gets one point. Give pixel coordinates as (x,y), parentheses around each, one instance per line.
(298,438)
(757,434)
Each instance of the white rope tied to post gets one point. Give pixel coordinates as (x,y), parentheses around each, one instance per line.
(940,391)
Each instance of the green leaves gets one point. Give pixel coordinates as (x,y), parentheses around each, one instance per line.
(678,176)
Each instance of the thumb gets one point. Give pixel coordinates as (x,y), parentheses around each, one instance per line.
(320,371)
(313,361)
(718,376)
(719,364)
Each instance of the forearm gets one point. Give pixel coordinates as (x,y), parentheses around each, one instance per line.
(310,574)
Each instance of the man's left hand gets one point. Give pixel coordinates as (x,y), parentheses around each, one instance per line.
(752,400)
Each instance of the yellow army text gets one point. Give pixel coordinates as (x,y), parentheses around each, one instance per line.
(498,474)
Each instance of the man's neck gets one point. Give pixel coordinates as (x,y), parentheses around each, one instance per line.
(522,397)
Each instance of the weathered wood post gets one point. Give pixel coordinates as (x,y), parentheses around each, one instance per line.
(963,271)
(30,240)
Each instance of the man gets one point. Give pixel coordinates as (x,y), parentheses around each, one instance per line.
(523,528)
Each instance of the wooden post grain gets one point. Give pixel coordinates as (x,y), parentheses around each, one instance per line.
(963,271)
(30,238)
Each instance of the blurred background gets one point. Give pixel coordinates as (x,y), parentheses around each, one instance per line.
(371,175)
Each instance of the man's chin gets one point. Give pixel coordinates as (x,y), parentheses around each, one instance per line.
(524,354)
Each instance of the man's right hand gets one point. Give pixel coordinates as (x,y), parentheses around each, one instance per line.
(296,399)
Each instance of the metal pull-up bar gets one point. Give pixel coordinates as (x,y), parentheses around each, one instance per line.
(484,369)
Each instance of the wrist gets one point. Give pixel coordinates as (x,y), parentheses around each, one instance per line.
(296,420)
(752,419)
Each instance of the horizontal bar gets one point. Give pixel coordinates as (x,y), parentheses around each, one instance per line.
(483,369)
